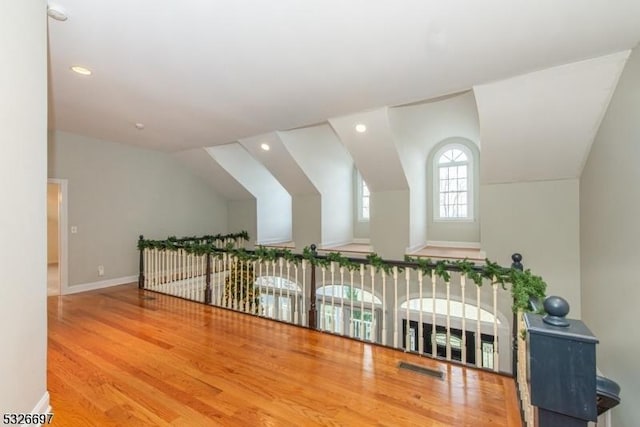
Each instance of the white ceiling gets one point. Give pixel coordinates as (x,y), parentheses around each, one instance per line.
(540,126)
(201,73)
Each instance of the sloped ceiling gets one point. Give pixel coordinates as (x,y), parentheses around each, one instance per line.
(201,163)
(374,151)
(201,73)
(280,163)
(540,126)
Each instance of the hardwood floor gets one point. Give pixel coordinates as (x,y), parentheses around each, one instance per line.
(126,357)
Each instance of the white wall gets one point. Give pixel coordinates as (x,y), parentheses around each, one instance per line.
(242,215)
(329,167)
(609,236)
(307,220)
(273,202)
(418,131)
(23,166)
(377,159)
(117,192)
(390,224)
(540,220)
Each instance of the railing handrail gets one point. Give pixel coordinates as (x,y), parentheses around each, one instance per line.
(287,254)
(528,284)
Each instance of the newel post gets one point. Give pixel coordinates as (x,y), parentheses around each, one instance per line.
(516,264)
(562,361)
(141,267)
(207,280)
(312,291)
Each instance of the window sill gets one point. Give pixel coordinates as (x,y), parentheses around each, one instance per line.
(444,220)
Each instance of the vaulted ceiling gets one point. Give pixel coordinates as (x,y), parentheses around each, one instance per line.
(205,73)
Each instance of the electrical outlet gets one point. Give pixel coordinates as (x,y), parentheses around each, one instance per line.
(74,229)
(101,270)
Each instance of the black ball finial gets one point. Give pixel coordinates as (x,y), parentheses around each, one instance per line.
(517,261)
(557,309)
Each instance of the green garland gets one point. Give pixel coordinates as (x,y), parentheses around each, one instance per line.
(194,243)
(524,284)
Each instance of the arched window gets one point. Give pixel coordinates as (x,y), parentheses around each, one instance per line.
(454,308)
(453,183)
(363,198)
(346,309)
(279,297)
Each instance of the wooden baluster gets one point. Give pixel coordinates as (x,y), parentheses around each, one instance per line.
(274,312)
(289,304)
(243,284)
(256,292)
(342,298)
(384,308)
(145,280)
(261,306)
(155,268)
(278,305)
(495,328)
(448,347)
(395,306)
(464,319)
(226,265)
(434,343)
(161,267)
(407,335)
(192,271)
(207,289)
(334,289)
(186,274)
(323,306)
(361,320)
(420,313)
(141,265)
(202,277)
(296,296)
(172,268)
(478,330)
(236,283)
(305,319)
(372,271)
(351,298)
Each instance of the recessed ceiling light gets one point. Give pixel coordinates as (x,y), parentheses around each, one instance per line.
(360,128)
(265,146)
(139,126)
(81,70)
(56,13)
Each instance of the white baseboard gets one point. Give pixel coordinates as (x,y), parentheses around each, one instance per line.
(272,241)
(99,285)
(42,407)
(361,241)
(414,248)
(445,244)
(330,245)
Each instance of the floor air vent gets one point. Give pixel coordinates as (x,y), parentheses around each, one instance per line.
(148,298)
(421,370)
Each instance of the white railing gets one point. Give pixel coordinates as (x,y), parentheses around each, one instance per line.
(397,306)
(522,374)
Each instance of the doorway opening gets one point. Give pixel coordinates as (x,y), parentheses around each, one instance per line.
(56,237)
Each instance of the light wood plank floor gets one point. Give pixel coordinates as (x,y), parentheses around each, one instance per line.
(126,357)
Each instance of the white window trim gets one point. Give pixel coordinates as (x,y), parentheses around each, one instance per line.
(359,181)
(470,183)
